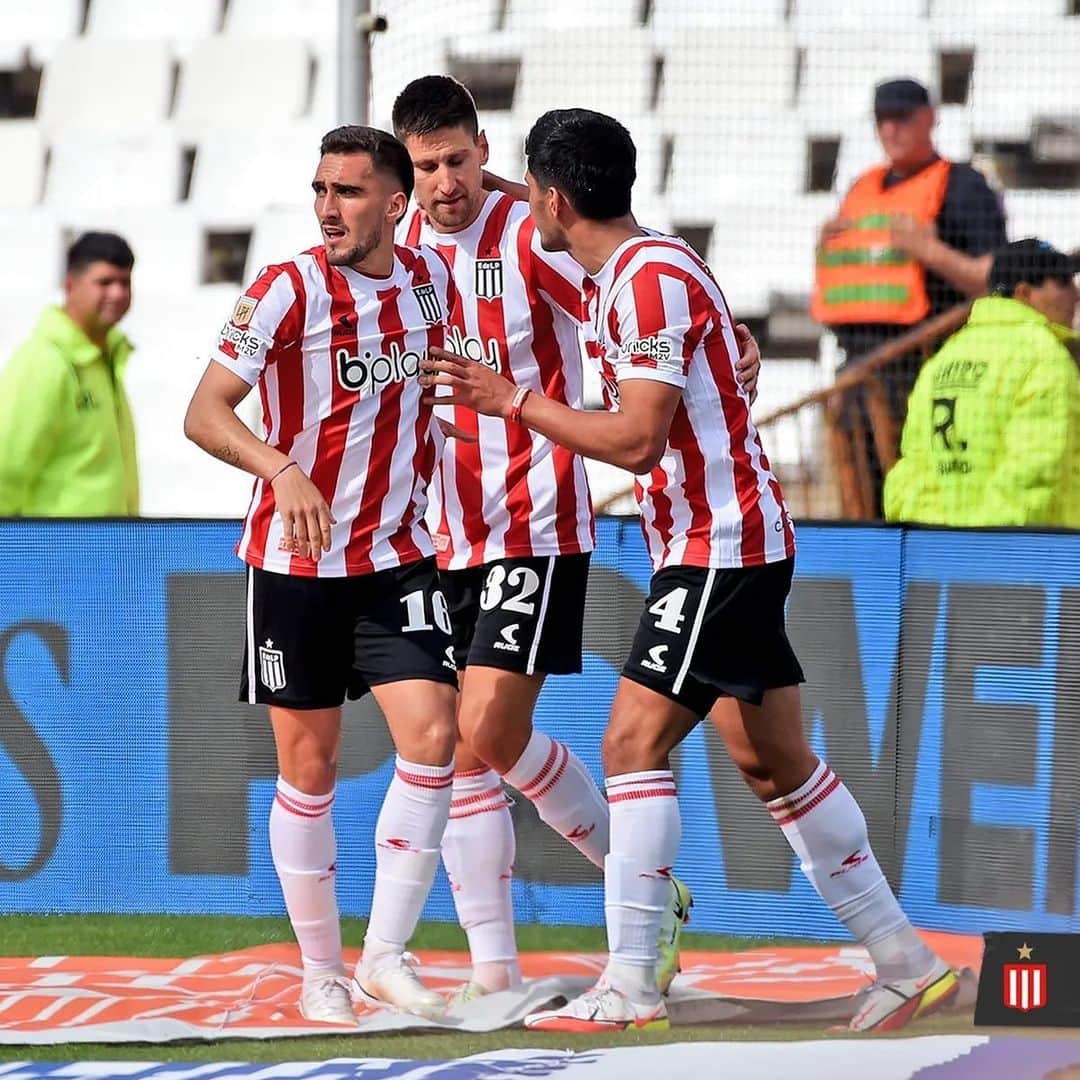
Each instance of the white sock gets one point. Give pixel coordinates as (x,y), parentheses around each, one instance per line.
(645,834)
(407,838)
(304,852)
(478,852)
(554,779)
(827,831)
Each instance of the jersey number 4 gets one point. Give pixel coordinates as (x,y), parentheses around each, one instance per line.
(669,608)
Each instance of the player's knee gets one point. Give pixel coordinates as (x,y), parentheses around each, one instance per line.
(629,747)
(493,738)
(313,774)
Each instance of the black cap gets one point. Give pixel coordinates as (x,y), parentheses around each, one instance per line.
(899,97)
(1029,260)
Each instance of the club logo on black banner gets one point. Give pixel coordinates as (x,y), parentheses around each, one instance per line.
(1029,980)
(489,278)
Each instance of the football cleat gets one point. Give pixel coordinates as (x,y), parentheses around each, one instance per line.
(888,1005)
(467,993)
(602,1008)
(327,1001)
(390,980)
(675,918)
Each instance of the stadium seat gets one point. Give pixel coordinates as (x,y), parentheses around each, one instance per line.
(167,243)
(303,20)
(279,235)
(611,72)
(506,140)
(713,72)
(279,165)
(813,16)
(841,69)
(1046,63)
(995,12)
(87,172)
(38,27)
(175,475)
(179,23)
(38,268)
(224,86)
(691,15)
(526,15)
(416,17)
(23,155)
(107,87)
(1049,215)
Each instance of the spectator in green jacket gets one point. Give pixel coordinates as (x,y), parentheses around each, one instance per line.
(993,426)
(67,442)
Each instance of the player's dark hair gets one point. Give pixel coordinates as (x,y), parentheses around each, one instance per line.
(387,154)
(588,156)
(432,103)
(95,247)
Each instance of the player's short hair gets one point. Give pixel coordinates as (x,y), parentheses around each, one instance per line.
(94,247)
(431,103)
(588,156)
(387,154)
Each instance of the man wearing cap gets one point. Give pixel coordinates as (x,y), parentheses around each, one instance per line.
(993,429)
(912,238)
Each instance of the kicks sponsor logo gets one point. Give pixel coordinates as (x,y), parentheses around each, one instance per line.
(655,660)
(650,348)
(245,342)
(509,641)
(856,858)
(271,667)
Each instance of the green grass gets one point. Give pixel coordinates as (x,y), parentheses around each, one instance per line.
(136,935)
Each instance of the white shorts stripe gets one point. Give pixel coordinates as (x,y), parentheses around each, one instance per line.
(530,667)
(695,630)
(251,635)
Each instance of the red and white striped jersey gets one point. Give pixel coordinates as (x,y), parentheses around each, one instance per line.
(654,311)
(512,493)
(335,354)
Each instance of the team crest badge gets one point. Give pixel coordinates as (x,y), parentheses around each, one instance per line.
(1024,984)
(429,302)
(489,278)
(271,667)
(245,308)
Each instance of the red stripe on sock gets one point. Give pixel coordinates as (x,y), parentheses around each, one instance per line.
(420,780)
(553,753)
(807,807)
(491,808)
(466,773)
(642,793)
(300,809)
(471,800)
(555,778)
(787,803)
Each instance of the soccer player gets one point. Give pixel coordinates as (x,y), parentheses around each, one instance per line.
(343,592)
(722,547)
(513,527)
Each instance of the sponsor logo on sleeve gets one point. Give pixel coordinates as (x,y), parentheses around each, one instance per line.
(246,342)
(655,349)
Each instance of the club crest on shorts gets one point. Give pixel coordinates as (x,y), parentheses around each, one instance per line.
(271,667)
(428,300)
(489,278)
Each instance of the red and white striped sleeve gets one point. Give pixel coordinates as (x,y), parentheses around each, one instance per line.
(658,318)
(555,274)
(268,317)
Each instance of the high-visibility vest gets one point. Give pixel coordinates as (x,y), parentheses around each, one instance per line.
(860,277)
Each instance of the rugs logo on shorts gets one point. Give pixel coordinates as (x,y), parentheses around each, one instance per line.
(450,662)
(489,278)
(656,661)
(271,667)
(509,641)
(428,300)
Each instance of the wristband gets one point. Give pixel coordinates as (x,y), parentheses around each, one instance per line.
(288,465)
(517,404)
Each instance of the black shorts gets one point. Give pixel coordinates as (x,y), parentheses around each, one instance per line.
(313,641)
(519,614)
(706,634)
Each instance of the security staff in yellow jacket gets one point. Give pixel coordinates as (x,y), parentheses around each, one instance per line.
(912,239)
(993,428)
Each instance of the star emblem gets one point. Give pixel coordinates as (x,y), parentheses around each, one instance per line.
(1025,951)
(269,643)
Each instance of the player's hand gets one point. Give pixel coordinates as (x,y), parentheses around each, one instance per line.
(748,365)
(912,237)
(471,384)
(452,431)
(305,517)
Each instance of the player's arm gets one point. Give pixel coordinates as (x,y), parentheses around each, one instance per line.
(492,182)
(632,438)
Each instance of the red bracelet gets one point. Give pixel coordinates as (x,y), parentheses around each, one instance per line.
(519,401)
(289,465)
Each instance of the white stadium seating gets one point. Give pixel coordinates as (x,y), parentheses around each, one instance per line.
(723,98)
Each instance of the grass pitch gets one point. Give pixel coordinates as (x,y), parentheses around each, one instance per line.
(183,935)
